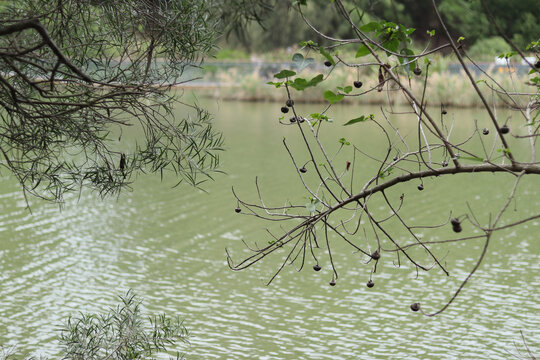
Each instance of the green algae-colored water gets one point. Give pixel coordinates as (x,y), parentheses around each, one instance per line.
(168,244)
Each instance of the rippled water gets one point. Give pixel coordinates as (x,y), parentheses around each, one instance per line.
(168,245)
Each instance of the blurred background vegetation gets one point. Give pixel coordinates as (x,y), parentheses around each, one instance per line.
(282,27)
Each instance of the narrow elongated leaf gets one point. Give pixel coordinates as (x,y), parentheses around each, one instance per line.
(327,55)
(357,120)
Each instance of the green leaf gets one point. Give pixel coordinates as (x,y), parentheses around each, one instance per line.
(298,58)
(327,55)
(301,62)
(316,80)
(301,84)
(386,173)
(284,74)
(333,98)
(276,84)
(391,45)
(346,89)
(317,116)
(344,141)
(406,51)
(460,39)
(409,31)
(431,33)
(309,43)
(370,27)
(358,119)
(362,51)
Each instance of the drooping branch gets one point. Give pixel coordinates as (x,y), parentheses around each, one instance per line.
(350,214)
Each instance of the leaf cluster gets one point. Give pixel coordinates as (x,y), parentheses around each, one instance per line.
(74,76)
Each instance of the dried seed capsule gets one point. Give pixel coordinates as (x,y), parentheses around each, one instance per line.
(237,210)
(317,267)
(376,255)
(328,63)
(415,307)
(284,109)
(485,131)
(357,84)
(420,187)
(505,129)
(370,284)
(289,102)
(333,283)
(303,169)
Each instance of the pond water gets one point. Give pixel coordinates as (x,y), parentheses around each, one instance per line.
(168,245)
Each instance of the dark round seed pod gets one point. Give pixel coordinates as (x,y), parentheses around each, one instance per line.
(293,119)
(284,109)
(537,65)
(415,306)
(317,267)
(417,71)
(333,283)
(420,187)
(485,131)
(395,158)
(328,63)
(444,163)
(444,112)
(370,284)
(301,119)
(357,84)
(289,102)
(457,228)
(237,210)
(303,169)
(455,222)
(376,255)
(505,129)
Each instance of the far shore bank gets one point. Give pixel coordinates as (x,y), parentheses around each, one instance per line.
(446,85)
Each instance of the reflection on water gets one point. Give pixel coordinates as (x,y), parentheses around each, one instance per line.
(168,245)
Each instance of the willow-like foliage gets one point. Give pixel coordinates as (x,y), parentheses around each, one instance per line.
(74,75)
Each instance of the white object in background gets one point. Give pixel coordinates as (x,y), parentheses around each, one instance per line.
(501,61)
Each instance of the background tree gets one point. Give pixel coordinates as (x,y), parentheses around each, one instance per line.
(353,193)
(462,17)
(75,74)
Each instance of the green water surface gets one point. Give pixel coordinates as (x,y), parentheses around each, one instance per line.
(168,244)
